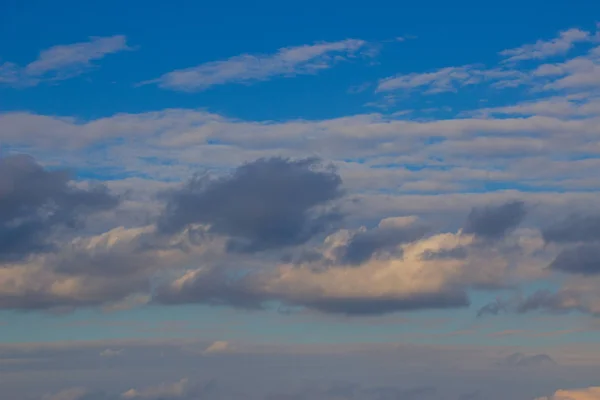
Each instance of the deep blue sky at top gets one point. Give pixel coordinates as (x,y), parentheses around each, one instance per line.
(179,34)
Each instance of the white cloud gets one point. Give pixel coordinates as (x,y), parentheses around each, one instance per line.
(247,68)
(62,61)
(547,48)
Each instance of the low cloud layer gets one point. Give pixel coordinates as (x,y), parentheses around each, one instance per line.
(268,232)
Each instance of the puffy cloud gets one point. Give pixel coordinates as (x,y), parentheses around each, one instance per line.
(390,233)
(493,222)
(266,204)
(406,273)
(583,259)
(575,228)
(35,202)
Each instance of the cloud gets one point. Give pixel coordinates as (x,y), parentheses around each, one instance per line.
(401,278)
(547,48)
(62,61)
(577,74)
(249,68)
(109,353)
(165,391)
(590,393)
(523,360)
(494,222)
(569,299)
(219,346)
(583,259)
(573,229)
(266,204)
(35,202)
(387,236)
(449,79)
(68,394)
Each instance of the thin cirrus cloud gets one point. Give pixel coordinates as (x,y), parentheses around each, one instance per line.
(62,61)
(248,68)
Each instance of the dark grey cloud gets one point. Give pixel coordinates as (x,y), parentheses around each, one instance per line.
(218,287)
(523,360)
(560,302)
(575,228)
(265,204)
(582,260)
(215,287)
(363,245)
(35,201)
(493,222)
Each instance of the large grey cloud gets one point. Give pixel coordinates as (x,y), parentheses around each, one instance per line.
(35,201)
(266,204)
(583,259)
(493,222)
(575,228)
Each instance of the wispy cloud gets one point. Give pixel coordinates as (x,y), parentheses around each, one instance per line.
(548,48)
(248,68)
(448,79)
(62,61)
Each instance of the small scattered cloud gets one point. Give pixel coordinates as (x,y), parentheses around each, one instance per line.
(219,346)
(62,61)
(523,360)
(547,48)
(111,353)
(590,393)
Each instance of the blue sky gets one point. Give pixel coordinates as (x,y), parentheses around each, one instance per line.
(300,175)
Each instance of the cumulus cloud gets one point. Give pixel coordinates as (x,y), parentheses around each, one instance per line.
(35,202)
(493,222)
(575,228)
(396,269)
(266,204)
(62,61)
(248,68)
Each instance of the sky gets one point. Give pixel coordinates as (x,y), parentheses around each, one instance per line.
(325,200)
